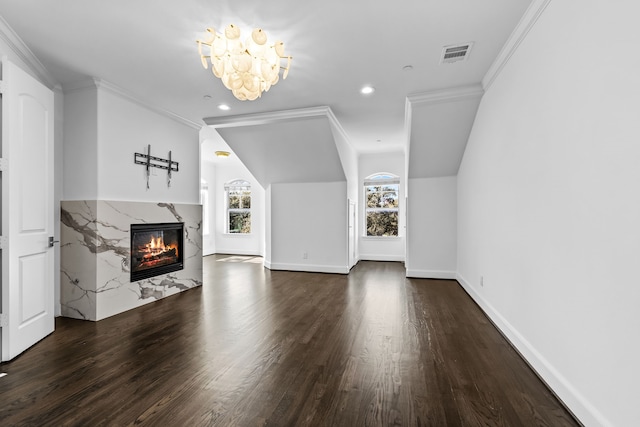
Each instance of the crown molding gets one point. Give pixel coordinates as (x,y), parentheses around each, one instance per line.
(16,44)
(118,91)
(528,20)
(96,83)
(445,95)
(268,117)
(279,116)
(81,85)
(338,127)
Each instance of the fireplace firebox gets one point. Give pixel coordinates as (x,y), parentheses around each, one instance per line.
(156,249)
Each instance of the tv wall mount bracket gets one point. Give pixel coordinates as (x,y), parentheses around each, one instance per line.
(150,161)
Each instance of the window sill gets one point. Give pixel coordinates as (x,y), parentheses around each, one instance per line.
(238,234)
(381,237)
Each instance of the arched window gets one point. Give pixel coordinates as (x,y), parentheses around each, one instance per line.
(238,195)
(381,200)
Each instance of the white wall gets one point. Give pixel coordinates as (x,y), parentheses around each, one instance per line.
(125,128)
(311,219)
(80,147)
(240,244)
(376,248)
(548,206)
(208,170)
(103,130)
(267,227)
(431,228)
(348,158)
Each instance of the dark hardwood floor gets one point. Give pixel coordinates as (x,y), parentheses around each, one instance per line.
(259,347)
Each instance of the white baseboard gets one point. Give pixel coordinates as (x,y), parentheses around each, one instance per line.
(236,252)
(336,269)
(375,257)
(431,274)
(563,389)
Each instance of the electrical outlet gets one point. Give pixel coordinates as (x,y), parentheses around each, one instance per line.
(482,281)
(305,255)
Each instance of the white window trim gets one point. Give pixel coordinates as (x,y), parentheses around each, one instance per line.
(236,185)
(371,181)
(365,237)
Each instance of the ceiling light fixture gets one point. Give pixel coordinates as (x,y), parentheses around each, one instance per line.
(223,154)
(246,70)
(367,90)
(224,107)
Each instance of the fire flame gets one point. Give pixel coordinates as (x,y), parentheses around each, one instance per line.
(156,243)
(156,246)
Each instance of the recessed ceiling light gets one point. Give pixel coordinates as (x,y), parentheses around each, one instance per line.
(407,68)
(207,97)
(224,107)
(367,90)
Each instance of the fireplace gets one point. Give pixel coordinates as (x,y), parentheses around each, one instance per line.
(156,249)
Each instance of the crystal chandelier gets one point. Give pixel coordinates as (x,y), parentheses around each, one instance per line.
(246,70)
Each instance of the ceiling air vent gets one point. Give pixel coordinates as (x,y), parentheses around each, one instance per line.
(455,53)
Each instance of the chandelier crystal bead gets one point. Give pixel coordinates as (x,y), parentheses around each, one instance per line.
(246,70)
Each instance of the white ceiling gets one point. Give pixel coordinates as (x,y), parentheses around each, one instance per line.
(148,49)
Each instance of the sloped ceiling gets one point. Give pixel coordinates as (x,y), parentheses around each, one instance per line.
(148,49)
(441,122)
(289,150)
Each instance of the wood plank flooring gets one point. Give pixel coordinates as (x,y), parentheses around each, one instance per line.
(258,347)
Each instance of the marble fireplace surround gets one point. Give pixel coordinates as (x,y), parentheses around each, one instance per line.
(95,256)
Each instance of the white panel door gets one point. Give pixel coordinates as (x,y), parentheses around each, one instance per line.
(27,210)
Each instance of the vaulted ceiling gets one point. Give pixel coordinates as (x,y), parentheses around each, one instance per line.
(148,49)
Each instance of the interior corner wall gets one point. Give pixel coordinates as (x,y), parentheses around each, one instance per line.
(238,244)
(58,186)
(308,229)
(125,128)
(209,240)
(548,207)
(376,248)
(349,160)
(267,227)
(431,227)
(80,146)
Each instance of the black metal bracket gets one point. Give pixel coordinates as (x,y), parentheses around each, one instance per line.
(156,162)
(171,165)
